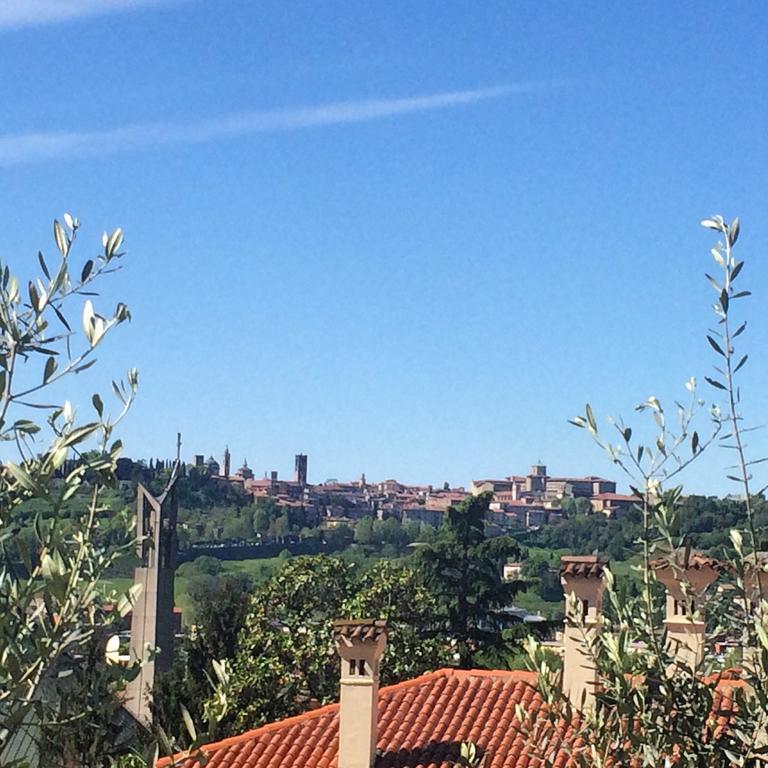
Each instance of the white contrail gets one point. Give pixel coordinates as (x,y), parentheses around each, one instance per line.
(24,13)
(27,147)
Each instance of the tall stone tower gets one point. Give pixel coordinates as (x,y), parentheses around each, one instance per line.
(152,621)
(226,465)
(300,474)
(537,480)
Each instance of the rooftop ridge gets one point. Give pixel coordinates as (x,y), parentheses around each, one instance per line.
(518,675)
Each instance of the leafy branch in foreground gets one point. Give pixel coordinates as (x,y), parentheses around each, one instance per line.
(722,342)
(660,703)
(52,611)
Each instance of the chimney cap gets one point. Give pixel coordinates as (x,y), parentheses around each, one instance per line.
(582,565)
(692,561)
(756,561)
(360,629)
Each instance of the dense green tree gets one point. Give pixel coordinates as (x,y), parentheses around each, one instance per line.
(463,569)
(584,534)
(411,531)
(297,518)
(285,657)
(543,577)
(280,527)
(220,613)
(310,534)
(339,537)
(364,531)
(284,652)
(427,533)
(573,506)
(264,513)
(391,532)
(416,638)
(198,491)
(239,526)
(389,535)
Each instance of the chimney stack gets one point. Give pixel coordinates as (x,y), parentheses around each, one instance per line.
(686,577)
(582,580)
(756,591)
(756,579)
(360,644)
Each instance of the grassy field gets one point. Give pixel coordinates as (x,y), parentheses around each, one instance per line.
(624,568)
(533,603)
(259,570)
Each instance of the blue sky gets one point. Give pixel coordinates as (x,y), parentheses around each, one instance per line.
(409,239)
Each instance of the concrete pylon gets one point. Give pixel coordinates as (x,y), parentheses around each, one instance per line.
(152,626)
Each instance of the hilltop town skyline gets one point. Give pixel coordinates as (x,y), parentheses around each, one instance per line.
(225,466)
(593,466)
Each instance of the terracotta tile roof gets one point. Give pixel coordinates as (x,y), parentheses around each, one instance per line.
(422,723)
(582,565)
(615,497)
(756,560)
(586,479)
(521,503)
(359,629)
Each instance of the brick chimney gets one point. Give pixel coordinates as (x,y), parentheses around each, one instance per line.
(686,576)
(582,580)
(360,644)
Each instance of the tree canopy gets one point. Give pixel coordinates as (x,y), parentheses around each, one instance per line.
(463,569)
(285,658)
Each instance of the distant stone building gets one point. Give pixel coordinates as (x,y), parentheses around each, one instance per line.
(613,504)
(512,572)
(539,485)
(390,486)
(423,514)
(536,482)
(510,485)
(245,472)
(584,487)
(300,473)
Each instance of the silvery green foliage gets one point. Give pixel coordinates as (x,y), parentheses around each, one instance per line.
(654,710)
(51,561)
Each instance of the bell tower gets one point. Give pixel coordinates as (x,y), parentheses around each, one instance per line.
(300,471)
